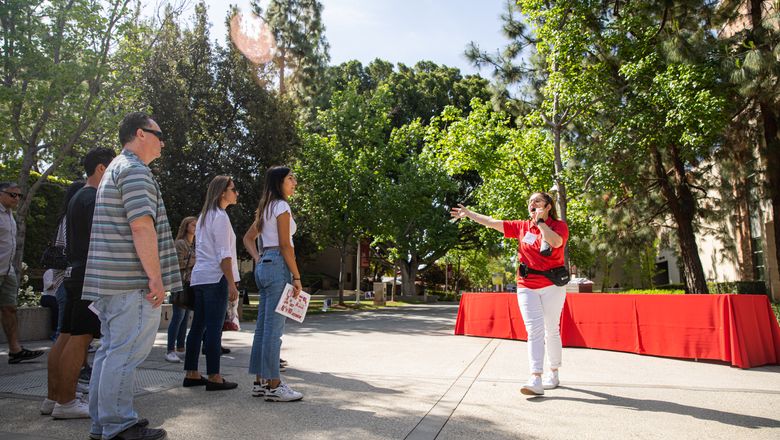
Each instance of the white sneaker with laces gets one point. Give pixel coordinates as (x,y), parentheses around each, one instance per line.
(172,357)
(282,393)
(76,409)
(82,388)
(259,388)
(550,381)
(533,387)
(47,406)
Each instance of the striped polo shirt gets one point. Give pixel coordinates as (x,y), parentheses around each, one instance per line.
(127,192)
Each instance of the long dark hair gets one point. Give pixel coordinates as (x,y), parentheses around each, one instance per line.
(73,188)
(217,187)
(272,191)
(549,200)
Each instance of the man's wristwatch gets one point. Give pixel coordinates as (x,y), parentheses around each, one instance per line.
(540,220)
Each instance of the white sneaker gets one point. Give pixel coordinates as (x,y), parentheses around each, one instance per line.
(82,388)
(172,357)
(550,381)
(47,406)
(282,393)
(259,388)
(533,387)
(76,409)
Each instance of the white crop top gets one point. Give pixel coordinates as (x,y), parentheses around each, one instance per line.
(270,233)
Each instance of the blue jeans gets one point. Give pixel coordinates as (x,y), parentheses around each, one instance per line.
(208,317)
(271,275)
(61,298)
(177,328)
(129,325)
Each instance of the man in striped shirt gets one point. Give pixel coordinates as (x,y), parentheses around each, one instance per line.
(132,262)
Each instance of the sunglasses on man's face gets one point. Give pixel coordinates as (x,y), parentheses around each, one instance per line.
(14,195)
(157,133)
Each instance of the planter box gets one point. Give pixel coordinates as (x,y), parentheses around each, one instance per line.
(34,324)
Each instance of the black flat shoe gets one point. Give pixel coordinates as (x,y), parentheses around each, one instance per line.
(219,386)
(194,382)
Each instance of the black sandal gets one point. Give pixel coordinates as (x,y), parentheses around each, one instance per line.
(23,355)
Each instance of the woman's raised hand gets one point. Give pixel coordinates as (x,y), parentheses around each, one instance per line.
(459,212)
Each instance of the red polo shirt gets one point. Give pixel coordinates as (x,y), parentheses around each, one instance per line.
(529,253)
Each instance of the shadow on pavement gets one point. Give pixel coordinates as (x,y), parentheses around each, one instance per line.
(409,320)
(661,406)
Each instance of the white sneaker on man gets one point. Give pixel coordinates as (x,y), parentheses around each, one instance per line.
(550,381)
(75,409)
(172,357)
(533,387)
(282,393)
(47,406)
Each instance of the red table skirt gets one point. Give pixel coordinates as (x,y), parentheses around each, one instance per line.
(740,329)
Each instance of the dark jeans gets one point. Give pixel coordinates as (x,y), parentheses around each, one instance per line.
(208,318)
(177,328)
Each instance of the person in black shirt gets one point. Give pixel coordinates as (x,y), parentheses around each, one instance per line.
(80,325)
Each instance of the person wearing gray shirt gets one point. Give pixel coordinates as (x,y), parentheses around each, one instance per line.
(10,194)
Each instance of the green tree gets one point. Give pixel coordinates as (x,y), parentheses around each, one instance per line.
(217,118)
(411,225)
(753,37)
(302,50)
(66,65)
(337,170)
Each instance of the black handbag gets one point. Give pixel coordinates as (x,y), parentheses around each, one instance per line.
(54,257)
(186,297)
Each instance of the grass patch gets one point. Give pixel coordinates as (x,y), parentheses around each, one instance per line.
(776,309)
(652,292)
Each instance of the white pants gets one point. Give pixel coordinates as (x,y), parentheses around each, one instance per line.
(541,310)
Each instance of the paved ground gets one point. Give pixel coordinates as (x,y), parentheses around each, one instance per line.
(401,373)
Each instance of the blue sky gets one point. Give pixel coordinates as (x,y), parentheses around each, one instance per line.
(404,31)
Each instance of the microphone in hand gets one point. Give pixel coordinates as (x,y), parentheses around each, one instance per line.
(545,249)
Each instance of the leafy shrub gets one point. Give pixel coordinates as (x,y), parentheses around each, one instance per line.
(745,287)
(652,292)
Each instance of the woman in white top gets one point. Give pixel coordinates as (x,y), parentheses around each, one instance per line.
(275,268)
(213,280)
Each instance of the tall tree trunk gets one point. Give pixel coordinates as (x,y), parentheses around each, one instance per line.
(743,236)
(408,276)
(770,120)
(681,203)
(282,67)
(342,271)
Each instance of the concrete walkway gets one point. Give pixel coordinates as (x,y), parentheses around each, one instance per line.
(401,374)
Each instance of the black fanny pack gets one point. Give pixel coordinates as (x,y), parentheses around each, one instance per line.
(558,275)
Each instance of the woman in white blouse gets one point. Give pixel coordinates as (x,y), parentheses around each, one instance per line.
(213,280)
(275,268)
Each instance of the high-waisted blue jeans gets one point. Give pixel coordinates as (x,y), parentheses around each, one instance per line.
(177,328)
(271,275)
(208,317)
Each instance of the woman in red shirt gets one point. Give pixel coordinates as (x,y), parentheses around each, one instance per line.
(542,242)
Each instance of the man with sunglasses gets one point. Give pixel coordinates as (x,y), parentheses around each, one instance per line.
(131,263)
(10,194)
